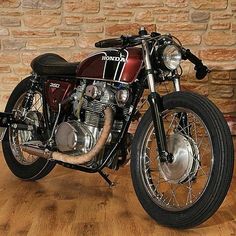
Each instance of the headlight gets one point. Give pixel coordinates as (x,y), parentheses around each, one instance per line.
(171,57)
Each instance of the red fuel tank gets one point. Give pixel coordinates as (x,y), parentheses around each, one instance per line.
(118,65)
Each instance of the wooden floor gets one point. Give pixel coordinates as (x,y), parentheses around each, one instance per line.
(68,202)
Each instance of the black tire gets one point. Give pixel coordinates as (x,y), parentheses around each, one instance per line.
(218,176)
(38,168)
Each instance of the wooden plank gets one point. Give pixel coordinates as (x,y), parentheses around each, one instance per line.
(68,202)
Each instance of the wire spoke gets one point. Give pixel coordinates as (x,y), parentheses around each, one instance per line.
(21,136)
(179,191)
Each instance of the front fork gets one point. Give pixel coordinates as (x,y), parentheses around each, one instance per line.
(156,106)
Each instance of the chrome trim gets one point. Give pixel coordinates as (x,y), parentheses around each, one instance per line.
(2,133)
(148,66)
(176,83)
(101,79)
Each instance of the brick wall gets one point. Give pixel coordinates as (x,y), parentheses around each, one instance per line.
(70,28)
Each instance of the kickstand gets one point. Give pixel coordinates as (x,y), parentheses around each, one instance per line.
(105,176)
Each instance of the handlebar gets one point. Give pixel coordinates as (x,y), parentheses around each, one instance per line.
(134,40)
(123,41)
(107,43)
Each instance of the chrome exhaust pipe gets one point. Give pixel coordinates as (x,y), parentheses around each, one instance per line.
(79,159)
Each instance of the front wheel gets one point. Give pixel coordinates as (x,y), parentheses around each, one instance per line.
(186,191)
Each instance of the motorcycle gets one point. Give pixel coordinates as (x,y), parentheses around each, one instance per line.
(78,115)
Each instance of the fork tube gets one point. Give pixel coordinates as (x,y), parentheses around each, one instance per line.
(176,83)
(156,105)
(148,67)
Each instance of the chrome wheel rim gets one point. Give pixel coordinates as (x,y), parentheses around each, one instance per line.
(17,137)
(178,185)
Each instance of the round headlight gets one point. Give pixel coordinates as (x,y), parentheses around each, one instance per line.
(171,57)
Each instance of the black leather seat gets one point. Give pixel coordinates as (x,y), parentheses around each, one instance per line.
(53,64)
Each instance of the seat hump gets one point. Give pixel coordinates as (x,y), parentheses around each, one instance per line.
(53,64)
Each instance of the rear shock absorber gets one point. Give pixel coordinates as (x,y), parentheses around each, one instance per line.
(28,99)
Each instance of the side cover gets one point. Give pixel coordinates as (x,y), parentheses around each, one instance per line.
(56,91)
(121,65)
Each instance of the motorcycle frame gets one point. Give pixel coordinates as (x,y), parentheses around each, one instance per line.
(146,78)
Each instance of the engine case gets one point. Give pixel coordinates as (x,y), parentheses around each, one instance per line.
(74,136)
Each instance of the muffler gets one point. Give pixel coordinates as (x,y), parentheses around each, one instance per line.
(79,159)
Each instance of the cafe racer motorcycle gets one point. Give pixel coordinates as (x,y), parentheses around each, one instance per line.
(78,115)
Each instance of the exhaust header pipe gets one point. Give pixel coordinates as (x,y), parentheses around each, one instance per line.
(80,159)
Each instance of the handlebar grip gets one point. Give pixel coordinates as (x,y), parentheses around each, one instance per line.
(107,43)
(201,70)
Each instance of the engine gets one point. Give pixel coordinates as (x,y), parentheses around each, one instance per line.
(80,135)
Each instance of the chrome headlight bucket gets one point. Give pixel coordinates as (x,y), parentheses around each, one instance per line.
(171,57)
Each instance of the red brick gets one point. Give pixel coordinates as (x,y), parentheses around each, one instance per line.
(22,70)
(119,29)
(5,69)
(181,17)
(234,28)
(162,18)
(95,19)
(9,81)
(197,88)
(221,15)
(43,4)
(221,26)
(82,6)
(10,21)
(119,13)
(52,43)
(27,57)
(4,31)
(79,56)
(41,21)
(188,39)
(219,54)
(13,44)
(222,91)
(167,11)
(225,105)
(222,65)
(10,3)
(32,33)
(144,16)
(170,27)
(219,75)
(200,16)
(176,3)
(219,38)
(231,120)
(68,33)
(209,4)
(93,28)
(9,58)
(139,3)
(88,41)
(10,12)
(74,20)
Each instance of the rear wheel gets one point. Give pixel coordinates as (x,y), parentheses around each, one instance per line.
(23,165)
(188,190)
